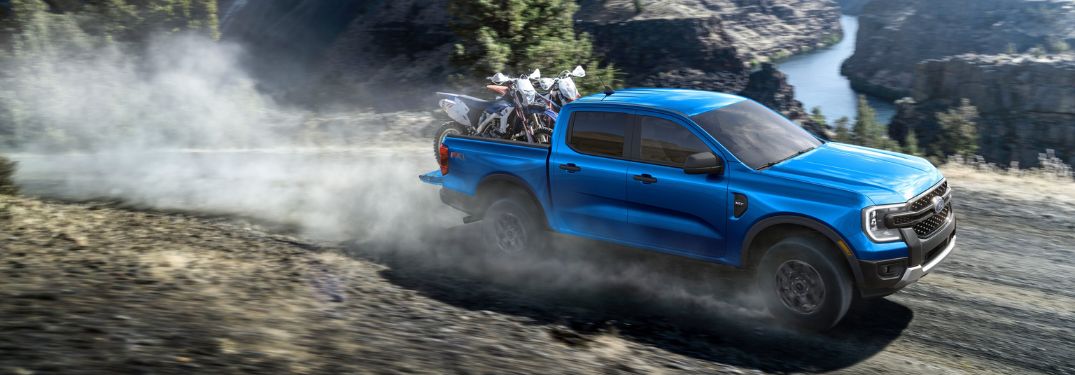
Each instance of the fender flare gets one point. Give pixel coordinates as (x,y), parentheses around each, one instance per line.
(509,179)
(803,221)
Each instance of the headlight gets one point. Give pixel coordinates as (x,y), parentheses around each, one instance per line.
(873,222)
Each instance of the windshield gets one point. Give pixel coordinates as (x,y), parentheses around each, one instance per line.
(568,89)
(756,135)
(527,89)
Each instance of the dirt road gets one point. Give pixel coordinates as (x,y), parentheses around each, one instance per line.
(103,288)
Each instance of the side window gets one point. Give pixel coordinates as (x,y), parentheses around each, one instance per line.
(667,143)
(599,133)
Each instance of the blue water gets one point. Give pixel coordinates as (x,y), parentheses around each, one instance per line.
(818,83)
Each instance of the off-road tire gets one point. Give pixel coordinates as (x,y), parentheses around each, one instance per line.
(450,127)
(804,282)
(543,136)
(511,225)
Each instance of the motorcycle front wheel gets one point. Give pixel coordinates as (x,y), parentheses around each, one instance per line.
(543,136)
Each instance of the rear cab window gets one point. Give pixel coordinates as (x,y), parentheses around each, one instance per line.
(599,133)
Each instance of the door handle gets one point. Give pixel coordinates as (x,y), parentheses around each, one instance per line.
(570,167)
(645,178)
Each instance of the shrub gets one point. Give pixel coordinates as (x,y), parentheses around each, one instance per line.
(7,177)
(959,131)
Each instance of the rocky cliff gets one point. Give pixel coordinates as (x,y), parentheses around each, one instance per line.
(759,29)
(395,53)
(894,36)
(1026,103)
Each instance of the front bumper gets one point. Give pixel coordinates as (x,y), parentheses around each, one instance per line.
(924,255)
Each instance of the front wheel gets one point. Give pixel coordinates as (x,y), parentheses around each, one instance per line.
(804,283)
(449,128)
(543,136)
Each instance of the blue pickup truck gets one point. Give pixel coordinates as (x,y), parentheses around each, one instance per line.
(714,177)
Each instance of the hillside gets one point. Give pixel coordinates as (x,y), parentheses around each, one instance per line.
(103,288)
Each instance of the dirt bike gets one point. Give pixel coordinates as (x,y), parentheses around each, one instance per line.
(561,90)
(510,116)
(527,124)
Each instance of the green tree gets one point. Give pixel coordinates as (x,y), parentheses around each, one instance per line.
(518,36)
(817,116)
(843,133)
(959,131)
(867,131)
(910,143)
(119,20)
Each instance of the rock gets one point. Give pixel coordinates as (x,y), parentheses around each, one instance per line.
(894,36)
(1026,104)
(79,241)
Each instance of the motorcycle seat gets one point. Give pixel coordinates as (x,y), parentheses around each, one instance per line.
(471,101)
(535,109)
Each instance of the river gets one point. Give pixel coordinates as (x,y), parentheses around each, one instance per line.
(818,82)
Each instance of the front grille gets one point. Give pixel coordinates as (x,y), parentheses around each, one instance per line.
(929,226)
(924,201)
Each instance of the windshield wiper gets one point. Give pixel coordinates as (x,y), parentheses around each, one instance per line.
(772,163)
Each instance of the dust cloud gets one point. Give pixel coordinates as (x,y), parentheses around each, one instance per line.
(185,128)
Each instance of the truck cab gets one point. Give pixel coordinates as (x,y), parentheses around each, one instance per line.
(714,177)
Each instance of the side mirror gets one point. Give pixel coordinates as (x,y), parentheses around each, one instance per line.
(704,163)
(535,75)
(578,72)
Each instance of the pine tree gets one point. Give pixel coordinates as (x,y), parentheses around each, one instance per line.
(910,143)
(843,134)
(959,131)
(817,116)
(867,131)
(517,36)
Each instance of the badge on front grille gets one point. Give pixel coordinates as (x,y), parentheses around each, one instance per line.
(938,205)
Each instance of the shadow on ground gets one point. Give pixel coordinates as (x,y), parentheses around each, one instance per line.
(583,288)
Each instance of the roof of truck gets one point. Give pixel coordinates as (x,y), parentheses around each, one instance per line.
(689,102)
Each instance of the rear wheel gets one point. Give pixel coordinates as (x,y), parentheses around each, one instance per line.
(804,283)
(449,128)
(511,225)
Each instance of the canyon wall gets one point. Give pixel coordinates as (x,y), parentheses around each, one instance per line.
(894,36)
(1026,103)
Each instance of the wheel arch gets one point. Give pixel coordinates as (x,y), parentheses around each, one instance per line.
(496,184)
(768,231)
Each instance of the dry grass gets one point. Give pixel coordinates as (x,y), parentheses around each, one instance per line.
(1028,185)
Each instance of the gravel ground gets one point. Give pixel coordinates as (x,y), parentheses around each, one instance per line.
(101,287)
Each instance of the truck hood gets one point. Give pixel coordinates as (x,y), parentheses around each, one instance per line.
(883,177)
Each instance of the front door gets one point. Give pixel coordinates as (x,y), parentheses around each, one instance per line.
(670,209)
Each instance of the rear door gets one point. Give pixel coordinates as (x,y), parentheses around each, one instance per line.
(588,175)
(670,209)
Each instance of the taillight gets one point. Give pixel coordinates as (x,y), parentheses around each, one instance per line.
(442,159)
